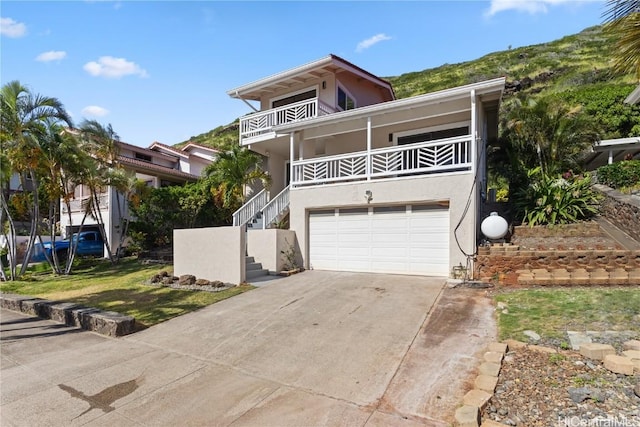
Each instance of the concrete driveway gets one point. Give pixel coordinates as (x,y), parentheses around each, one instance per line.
(313,349)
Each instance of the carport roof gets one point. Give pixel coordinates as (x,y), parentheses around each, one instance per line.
(620,147)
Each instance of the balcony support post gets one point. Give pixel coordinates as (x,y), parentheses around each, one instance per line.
(292,137)
(368,164)
(474,132)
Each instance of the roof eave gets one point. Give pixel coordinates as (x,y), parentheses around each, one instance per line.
(495,86)
(247,91)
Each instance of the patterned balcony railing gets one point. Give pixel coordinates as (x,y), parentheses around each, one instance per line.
(79,205)
(250,209)
(445,155)
(257,124)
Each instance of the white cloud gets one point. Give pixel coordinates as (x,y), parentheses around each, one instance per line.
(529,6)
(113,68)
(366,44)
(95,111)
(11,28)
(52,55)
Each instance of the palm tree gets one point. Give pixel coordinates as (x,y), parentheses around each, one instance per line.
(101,144)
(232,171)
(548,134)
(622,19)
(25,119)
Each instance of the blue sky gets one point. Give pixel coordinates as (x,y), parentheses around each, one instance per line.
(159,70)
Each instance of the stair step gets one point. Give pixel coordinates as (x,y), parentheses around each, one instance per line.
(252,274)
(253,266)
(249,259)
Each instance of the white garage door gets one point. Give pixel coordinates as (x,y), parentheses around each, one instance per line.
(398,239)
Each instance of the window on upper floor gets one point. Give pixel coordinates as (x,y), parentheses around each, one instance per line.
(345,100)
(143,157)
(303,96)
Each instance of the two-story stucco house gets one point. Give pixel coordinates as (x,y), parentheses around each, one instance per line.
(370,183)
(158,165)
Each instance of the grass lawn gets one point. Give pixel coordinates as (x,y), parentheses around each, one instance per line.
(551,312)
(119,288)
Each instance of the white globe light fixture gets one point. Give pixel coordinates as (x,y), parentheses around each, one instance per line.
(494,226)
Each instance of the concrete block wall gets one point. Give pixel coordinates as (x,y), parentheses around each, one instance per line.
(509,265)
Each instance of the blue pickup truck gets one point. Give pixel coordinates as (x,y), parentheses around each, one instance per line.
(89,244)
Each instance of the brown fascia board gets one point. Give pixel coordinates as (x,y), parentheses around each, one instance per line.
(193,144)
(166,147)
(146,151)
(382,82)
(156,168)
(292,72)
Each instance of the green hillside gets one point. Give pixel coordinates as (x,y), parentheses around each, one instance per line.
(575,69)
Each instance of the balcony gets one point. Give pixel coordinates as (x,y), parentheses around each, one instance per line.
(430,157)
(80,205)
(259,126)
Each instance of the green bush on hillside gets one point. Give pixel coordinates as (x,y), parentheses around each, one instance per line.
(551,200)
(620,174)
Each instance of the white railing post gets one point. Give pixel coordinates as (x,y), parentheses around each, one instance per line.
(369,148)
(474,133)
(292,137)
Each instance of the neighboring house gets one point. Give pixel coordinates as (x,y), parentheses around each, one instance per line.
(370,183)
(608,151)
(159,166)
(634,96)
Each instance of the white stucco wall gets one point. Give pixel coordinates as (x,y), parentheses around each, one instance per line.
(266,246)
(215,253)
(451,188)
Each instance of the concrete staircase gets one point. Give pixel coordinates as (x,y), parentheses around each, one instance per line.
(254,269)
(256,222)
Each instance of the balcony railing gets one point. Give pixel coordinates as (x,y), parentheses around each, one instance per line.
(445,155)
(261,123)
(79,205)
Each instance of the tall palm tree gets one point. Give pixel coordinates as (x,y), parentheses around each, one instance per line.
(101,143)
(548,134)
(24,122)
(622,18)
(232,171)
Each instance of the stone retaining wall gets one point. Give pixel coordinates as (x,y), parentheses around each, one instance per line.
(621,210)
(92,319)
(504,264)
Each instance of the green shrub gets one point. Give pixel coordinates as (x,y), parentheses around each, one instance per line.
(620,174)
(554,200)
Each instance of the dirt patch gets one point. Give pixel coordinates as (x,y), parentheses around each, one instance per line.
(441,363)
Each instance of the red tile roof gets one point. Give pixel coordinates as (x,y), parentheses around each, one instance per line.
(158,168)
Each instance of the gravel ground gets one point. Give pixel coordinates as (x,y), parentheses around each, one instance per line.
(563,389)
